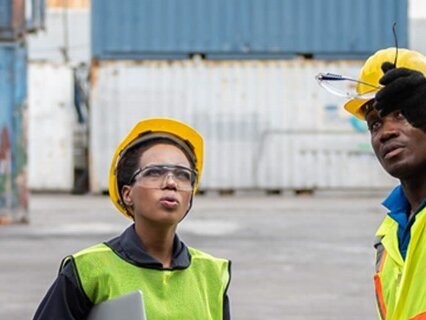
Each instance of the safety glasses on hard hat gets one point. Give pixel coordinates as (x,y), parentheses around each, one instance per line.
(154,176)
(347,87)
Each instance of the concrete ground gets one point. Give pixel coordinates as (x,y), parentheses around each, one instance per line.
(293,257)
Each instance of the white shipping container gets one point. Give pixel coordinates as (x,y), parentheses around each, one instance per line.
(51,124)
(266,124)
(319,161)
(65,37)
(417,33)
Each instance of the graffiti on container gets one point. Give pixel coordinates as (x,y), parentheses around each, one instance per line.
(5,168)
(20,158)
(13,163)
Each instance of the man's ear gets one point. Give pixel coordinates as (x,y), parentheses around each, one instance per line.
(126,193)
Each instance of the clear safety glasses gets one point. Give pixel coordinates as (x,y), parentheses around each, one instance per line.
(343,86)
(346,87)
(154,177)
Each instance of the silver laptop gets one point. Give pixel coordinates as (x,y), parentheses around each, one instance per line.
(129,306)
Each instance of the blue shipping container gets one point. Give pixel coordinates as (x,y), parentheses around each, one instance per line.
(12,19)
(13,156)
(143,29)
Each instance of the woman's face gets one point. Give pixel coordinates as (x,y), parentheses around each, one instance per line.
(165,204)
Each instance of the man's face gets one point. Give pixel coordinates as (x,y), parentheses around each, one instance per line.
(399,147)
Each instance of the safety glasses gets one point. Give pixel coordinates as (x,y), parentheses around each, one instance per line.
(154,176)
(346,87)
(351,88)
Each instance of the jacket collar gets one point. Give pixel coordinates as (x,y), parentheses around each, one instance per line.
(129,247)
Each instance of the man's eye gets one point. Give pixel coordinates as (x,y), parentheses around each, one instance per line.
(374,125)
(398,115)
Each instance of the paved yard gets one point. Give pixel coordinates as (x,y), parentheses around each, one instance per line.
(305,257)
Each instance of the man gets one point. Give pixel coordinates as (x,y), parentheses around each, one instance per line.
(396,119)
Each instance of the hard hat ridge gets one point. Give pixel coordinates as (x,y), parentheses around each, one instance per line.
(186,145)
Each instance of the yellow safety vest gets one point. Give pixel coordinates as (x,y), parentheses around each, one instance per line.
(196,292)
(401,285)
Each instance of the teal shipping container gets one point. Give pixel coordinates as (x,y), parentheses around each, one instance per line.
(245,29)
(13,154)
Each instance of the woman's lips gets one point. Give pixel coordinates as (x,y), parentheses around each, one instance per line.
(169,202)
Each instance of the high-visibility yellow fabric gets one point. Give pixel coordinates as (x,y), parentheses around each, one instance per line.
(196,292)
(401,285)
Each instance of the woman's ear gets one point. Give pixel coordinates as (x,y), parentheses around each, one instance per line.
(126,193)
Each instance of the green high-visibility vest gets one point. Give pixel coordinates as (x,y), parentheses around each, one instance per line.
(196,292)
(401,284)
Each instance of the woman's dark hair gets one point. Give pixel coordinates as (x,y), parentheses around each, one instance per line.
(129,162)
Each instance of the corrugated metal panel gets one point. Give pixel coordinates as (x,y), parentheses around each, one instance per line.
(13,156)
(49,45)
(243,109)
(418,34)
(52,120)
(318,161)
(132,29)
(12,19)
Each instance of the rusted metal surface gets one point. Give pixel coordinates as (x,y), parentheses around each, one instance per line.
(13,128)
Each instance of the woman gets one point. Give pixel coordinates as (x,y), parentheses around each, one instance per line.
(153,177)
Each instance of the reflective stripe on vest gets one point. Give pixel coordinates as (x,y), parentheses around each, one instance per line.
(196,292)
(421,316)
(401,285)
(381,307)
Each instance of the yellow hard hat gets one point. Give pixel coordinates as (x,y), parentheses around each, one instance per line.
(169,127)
(371,73)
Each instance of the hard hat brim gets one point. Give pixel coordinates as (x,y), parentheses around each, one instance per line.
(354,106)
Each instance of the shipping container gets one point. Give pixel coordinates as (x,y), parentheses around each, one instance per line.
(52,120)
(68,4)
(12,19)
(13,130)
(319,161)
(417,27)
(266,124)
(245,29)
(35,12)
(52,46)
